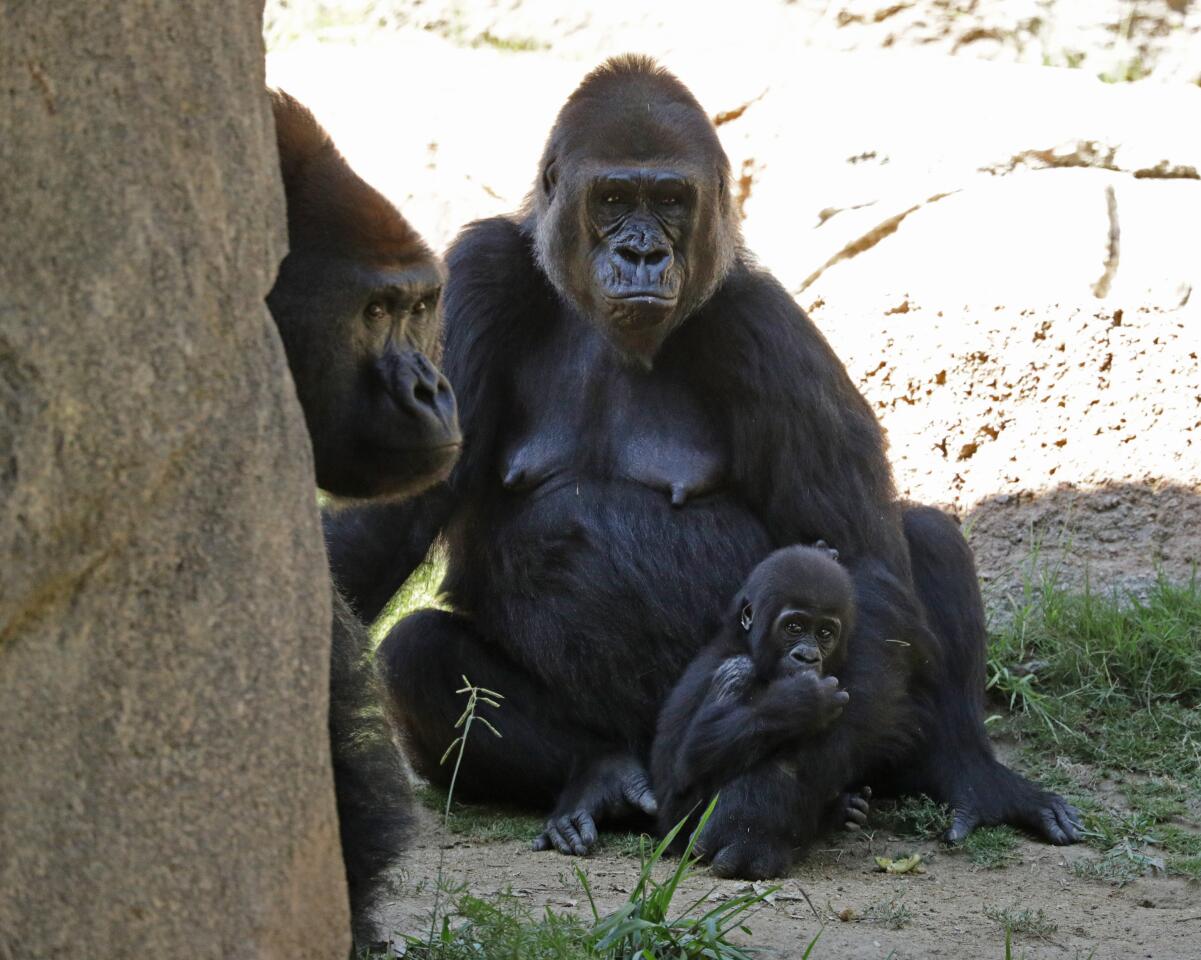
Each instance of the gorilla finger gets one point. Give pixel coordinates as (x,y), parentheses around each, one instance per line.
(962,824)
(842,697)
(1052,832)
(857,815)
(852,826)
(637,791)
(1070,816)
(572,843)
(561,842)
(1058,825)
(822,545)
(859,802)
(586,826)
(541,842)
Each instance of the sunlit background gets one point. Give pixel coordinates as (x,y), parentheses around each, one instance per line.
(990,208)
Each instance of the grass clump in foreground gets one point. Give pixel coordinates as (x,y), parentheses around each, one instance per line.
(1113,682)
(647,925)
(1034,923)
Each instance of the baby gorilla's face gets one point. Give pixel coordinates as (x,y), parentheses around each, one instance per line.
(801,637)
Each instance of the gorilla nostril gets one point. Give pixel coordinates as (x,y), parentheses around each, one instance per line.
(629,255)
(423,395)
(655,258)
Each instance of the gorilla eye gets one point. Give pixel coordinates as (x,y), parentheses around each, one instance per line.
(825,633)
(420,306)
(668,201)
(794,628)
(375,311)
(612,198)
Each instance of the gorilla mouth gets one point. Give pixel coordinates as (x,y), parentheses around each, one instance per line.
(645,296)
(640,309)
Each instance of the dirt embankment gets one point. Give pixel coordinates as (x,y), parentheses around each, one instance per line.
(1004,255)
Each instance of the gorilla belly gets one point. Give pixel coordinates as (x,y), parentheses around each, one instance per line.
(606,588)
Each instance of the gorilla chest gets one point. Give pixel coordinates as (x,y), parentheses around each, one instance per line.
(582,416)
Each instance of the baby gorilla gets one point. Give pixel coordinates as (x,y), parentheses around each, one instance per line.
(764,684)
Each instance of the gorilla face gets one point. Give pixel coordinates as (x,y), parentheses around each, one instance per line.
(640,219)
(356,304)
(632,219)
(359,335)
(796,608)
(799,638)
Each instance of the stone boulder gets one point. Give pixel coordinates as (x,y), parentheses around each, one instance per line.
(165,782)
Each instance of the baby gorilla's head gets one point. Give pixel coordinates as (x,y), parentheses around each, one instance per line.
(796,608)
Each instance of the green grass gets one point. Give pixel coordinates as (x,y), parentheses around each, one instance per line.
(650,924)
(920,818)
(1033,923)
(890,913)
(992,847)
(1098,687)
(485,824)
(1112,682)
(492,823)
(913,818)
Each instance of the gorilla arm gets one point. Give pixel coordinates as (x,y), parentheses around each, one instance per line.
(805,447)
(717,724)
(375,547)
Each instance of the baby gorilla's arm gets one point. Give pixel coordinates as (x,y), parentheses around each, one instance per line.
(737,727)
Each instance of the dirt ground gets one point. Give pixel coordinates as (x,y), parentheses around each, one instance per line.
(1154,917)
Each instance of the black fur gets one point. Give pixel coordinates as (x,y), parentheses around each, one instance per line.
(625,467)
(375,806)
(356,306)
(762,686)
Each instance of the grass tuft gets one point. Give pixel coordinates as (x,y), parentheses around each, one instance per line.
(992,847)
(648,925)
(1034,923)
(1113,682)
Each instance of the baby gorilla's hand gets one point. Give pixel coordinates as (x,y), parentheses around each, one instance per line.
(827,699)
(804,702)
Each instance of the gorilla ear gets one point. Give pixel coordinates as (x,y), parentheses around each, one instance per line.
(747,618)
(550,178)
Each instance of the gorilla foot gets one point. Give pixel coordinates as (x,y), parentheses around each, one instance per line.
(990,793)
(751,860)
(853,808)
(613,788)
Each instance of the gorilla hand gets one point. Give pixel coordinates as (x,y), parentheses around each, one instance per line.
(614,787)
(853,808)
(801,703)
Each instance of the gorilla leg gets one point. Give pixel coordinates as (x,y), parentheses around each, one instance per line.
(424,660)
(370,784)
(959,767)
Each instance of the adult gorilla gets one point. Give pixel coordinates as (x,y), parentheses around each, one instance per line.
(648,414)
(355,302)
